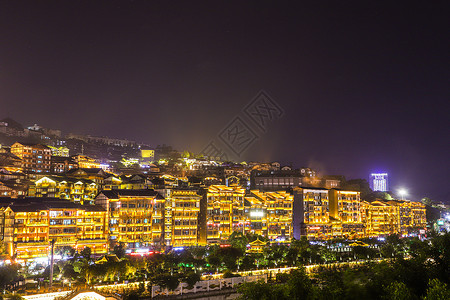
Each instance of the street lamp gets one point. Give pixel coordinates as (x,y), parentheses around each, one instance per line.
(402,193)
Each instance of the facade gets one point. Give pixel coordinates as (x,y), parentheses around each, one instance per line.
(81,191)
(60,151)
(345,212)
(35,158)
(182,208)
(412,216)
(62,164)
(380,218)
(135,217)
(225,212)
(86,162)
(275,180)
(269,214)
(379,182)
(27,227)
(311,216)
(96,175)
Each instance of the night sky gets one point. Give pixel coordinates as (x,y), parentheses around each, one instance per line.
(364,85)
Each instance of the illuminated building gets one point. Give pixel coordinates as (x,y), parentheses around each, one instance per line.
(76,190)
(12,188)
(35,157)
(182,208)
(147,156)
(257,246)
(134,182)
(311,213)
(85,162)
(345,213)
(269,214)
(8,159)
(136,217)
(379,182)
(62,164)
(332,181)
(380,218)
(96,175)
(225,212)
(28,226)
(275,180)
(412,216)
(59,151)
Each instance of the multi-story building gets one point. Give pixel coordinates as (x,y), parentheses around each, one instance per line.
(7,159)
(182,208)
(76,190)
(345,212)
(35,158)
(86,162)
(311,216)
(275,180)
(60,151)
(12,188)
(225,212)
(62,164)
(412,216)
(379,182)
(96,175)
(380,218)
(27,226)
(135,217)
(269,214)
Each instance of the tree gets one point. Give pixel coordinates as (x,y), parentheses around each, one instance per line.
(229,256)
(398,291)
(238,240)
(86,253)
(191,279)
(66,251)
(437,290)
(119,250)
(300,285)
(262,291)
(8,275)
(167,281)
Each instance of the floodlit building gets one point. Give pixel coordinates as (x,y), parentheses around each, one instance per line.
(60,151)
(225,212)
(345,213)
(380,218)
(275,180)
(27,226)
(76,190)
(86,162)
(311,213)
(35,158)
(182,208)
(412,216)
(269,214)
(135,217)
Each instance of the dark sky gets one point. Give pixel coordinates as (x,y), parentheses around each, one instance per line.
(364,85)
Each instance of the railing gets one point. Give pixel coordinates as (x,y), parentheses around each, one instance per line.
(200,286)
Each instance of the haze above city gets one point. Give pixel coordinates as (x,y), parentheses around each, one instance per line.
(363,87)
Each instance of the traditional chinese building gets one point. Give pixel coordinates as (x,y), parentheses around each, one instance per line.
(269,214)
(74,189)
(135,217)
(225,212)
(35,158)
(27,226)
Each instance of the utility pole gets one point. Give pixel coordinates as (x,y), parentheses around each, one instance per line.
(52,243)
